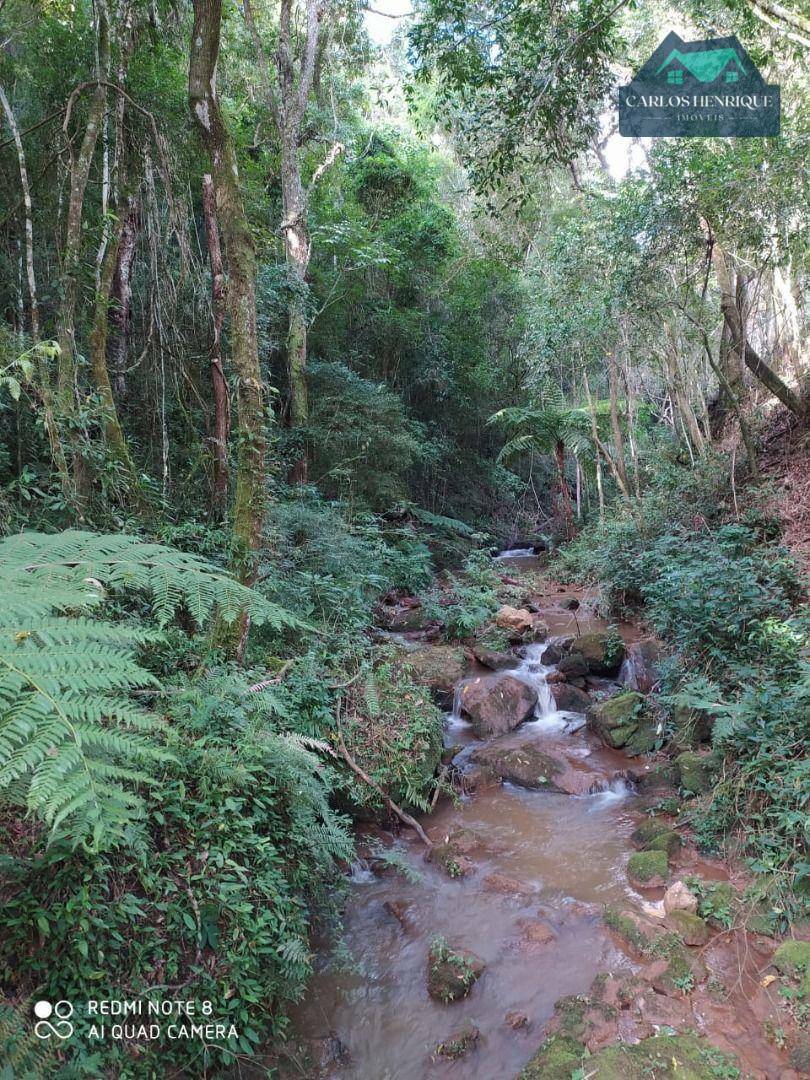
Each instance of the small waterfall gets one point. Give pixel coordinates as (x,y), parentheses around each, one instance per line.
(453,721)
(615,791)
(515,553)
(360,874)
(547,716)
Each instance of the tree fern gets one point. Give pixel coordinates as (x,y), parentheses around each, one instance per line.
(73,745)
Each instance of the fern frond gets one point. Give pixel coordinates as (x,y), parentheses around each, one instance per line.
(74,747)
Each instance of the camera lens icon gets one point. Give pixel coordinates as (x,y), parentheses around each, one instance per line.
(61,1028)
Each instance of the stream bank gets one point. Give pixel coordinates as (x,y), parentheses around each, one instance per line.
(538,917)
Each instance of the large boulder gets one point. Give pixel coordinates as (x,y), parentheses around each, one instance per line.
(695,771)
(570,698)
(525,764)
(401,614)
(638,672)
(517,620)
(648,869)
(690,927)
(494,659)
(603,652)
(496,704)
(438,668)
(679,897)
(616,720)
(573,666)
(528,763)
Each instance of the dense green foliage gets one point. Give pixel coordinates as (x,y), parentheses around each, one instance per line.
(509,327)
(724,596)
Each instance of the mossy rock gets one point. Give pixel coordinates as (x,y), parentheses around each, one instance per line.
(648,869)
(691,928)
(792,958)
(643,740)
(616,719)
(494,638)
(800,1053)
(674,1057)
(557,1059)
(577,1015)
(655,835)
(762,921)
(458,1044)
(438,668)
(662,775)
(717,901)
(629,930)
(573,666)
(603,652)
(451,973)
(695,772)
(683,971)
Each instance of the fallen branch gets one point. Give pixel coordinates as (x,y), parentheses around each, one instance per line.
(403,816)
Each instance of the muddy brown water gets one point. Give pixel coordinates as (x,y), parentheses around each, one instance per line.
(567,854)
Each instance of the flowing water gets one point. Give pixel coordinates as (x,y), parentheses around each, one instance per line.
(544,858)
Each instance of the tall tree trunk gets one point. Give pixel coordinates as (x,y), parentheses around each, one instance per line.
(250,496)
(733,315)
(680,395)
(603,450)
(615,426)
(43,374)
(67,381)
(113,432)
(286,98)
(27,206)
(297,255)
(734,405)
(219,386)
(565,493)
(121,309)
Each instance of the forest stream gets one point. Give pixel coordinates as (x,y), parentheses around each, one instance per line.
(524,891)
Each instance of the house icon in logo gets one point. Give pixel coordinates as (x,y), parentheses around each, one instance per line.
(713,67)
(699,88)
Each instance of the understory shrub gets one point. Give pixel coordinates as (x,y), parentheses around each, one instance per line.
(726,599)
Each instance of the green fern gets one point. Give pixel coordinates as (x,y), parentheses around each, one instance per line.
(73,745)
(22,1055)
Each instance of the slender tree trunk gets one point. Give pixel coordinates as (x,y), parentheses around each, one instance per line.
(121,309)
(27,206)
(79,176)
(287,98)
(735,405)
(68,376)
(733,316)
(297,255)
(250,496)
(43,374)
(618,476)
(113,431)
(615,426)
(565,493)
(219,386)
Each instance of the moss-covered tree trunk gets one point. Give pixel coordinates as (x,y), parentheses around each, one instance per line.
(219,386)
(249,499)
(80,165)
(99,339)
